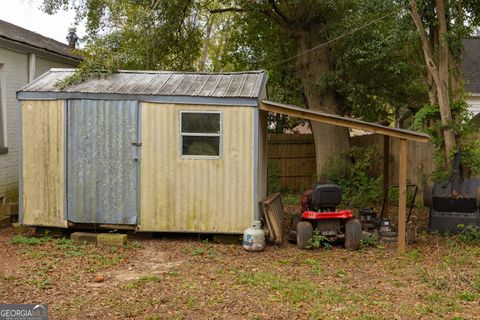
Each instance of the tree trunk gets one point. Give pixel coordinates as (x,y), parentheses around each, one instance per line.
(206,43)
(311,69)
(439,74)
(443,73)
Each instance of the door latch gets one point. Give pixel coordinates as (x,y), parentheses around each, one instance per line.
(137,144)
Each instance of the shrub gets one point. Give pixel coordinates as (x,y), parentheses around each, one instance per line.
(273,177)
(354,171)
(470,234)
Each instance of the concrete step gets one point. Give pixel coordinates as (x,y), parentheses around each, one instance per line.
(112,239)
(84,237)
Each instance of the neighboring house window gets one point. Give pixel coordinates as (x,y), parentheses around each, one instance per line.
(200,134)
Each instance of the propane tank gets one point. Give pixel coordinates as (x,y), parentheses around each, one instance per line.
(254,237)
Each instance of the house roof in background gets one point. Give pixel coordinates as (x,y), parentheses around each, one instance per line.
(157,83)
(23,36)
(471,64)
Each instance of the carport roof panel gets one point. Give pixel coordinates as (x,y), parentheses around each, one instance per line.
(157,83)
(342,121)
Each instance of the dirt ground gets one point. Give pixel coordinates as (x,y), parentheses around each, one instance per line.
(190,279)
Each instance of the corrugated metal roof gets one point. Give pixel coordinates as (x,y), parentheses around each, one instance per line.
(158,83)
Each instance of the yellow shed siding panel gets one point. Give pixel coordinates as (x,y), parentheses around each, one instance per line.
(43,163)
(195,195)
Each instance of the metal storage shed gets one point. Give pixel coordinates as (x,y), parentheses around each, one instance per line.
(137,148)
(163,151)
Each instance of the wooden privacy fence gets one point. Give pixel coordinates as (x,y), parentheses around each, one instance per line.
(420,157)
(292,157)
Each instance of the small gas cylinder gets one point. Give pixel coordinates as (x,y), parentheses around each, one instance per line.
(254,237)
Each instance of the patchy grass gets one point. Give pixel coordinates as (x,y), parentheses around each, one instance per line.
(29,241)
(142,281)
(438,278)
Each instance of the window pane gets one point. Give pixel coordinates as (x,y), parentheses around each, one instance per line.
(201,146)
(201,122)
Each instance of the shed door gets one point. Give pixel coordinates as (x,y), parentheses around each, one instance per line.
(102,162)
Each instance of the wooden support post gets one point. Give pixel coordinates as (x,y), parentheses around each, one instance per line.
(402,203)
(386,167)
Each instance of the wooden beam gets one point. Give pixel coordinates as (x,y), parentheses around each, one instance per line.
(402,203)
(386,168)
(342,121)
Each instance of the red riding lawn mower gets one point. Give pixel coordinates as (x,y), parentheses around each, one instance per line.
(318,212)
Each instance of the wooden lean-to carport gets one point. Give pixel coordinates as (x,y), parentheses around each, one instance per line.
(402,134)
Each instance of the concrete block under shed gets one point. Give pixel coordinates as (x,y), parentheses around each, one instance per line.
(112,239)
(84,237)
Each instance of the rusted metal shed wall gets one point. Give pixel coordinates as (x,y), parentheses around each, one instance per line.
(43,165)
(101,165)
(196,195)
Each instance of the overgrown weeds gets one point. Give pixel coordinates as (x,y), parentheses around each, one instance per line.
(29,241)
(318,241)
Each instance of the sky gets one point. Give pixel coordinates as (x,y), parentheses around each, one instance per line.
(26,14)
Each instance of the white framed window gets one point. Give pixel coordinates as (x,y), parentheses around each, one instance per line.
(200,134)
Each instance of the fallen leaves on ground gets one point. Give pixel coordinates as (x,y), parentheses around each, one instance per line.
(187,279)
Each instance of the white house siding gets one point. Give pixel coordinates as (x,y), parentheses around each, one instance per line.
(474,104)
(43,65)
(14,70)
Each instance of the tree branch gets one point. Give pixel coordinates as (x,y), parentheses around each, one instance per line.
(278,12)
(222,10)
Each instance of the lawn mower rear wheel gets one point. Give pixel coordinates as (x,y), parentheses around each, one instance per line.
(353,234)
(304,234)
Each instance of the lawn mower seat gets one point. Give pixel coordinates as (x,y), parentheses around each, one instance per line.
(325,197)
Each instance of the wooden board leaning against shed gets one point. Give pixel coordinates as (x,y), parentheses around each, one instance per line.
(272,208)
(402,134)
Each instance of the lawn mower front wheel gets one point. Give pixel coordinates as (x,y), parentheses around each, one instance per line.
(304,234)
(353,234)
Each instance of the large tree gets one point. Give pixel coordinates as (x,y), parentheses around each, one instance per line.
(302,45)
(140,34)
(441,26)
(296,41)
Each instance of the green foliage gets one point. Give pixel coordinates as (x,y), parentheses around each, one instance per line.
(469,235)
(29,241)
(370,242)
(291,198)
(141,34)
(354,171)
(198,252)
(370,62)
(428,119)
(318,241)
(143,280)
(273,177)
(291,290)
